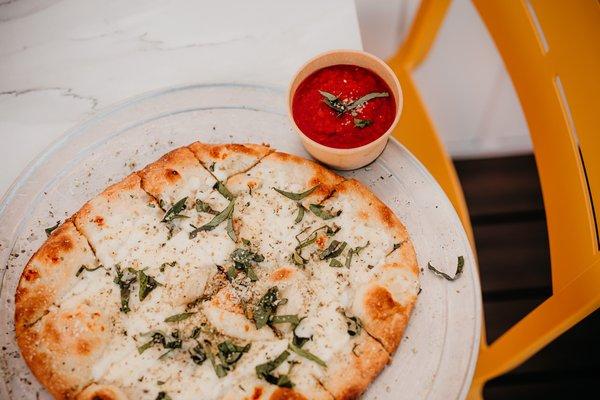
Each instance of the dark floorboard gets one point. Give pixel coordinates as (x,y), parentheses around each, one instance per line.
(507,212)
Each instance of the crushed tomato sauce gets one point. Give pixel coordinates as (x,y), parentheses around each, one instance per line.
(324,125)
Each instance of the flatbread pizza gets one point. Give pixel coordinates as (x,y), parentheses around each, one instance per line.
(220,271)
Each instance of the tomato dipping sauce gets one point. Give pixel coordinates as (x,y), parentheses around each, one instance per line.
(343,106)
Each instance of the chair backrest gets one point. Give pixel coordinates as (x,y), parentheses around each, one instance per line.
(551,49)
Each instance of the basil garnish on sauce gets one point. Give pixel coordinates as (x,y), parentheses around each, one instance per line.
(356,251)
(362,123)
(341,107)
(174,212)
(51,229)
(459,269)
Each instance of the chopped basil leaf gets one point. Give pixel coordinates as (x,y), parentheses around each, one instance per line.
(221,188)
(125,287)
(459,269)
(198,354)
(356,251)
(179,317)
(229,353)
(306,354)
(246,242)
(242,261)
(265,307)
(205,207)
(85,268)
(334,249)
(335,263)
(230,230)
(163,396)
(158,337)
(167,264)
(320,212)
(296,196)
(211,167)
(300,214)
(284,381)
(195,332)
(147,284)
(174,211)
(362,123)
(298,259)
(396,247)
(285,319)
(216,221)
(263,371)
(357,103)
(51,229)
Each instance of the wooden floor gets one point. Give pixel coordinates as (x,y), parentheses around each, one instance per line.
(507,213)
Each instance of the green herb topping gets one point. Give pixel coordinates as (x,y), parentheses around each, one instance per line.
(51,229)
(306,354)
(264,371)
(198,354)
(300,213)
(266,307)
(459,269)
(205,207)
(147,284)
(320,212)
(296,196)
(334,249)
(216,221)
(163,396)
(158,337)
(243,260)
(221,188)
(341,107)
(228,354)
(354,323)
(362,123)
(174,212)
(124,283)
(85,268)
(179,317)
(396,247)
(353,251)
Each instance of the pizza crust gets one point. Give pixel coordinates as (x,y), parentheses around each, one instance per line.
(226,160)
(49,273)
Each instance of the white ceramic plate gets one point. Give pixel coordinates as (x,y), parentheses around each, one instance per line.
(438,353)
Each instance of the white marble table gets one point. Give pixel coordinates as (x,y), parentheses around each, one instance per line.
(62,61)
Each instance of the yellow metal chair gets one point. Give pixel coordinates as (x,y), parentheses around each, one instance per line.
(551,49)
